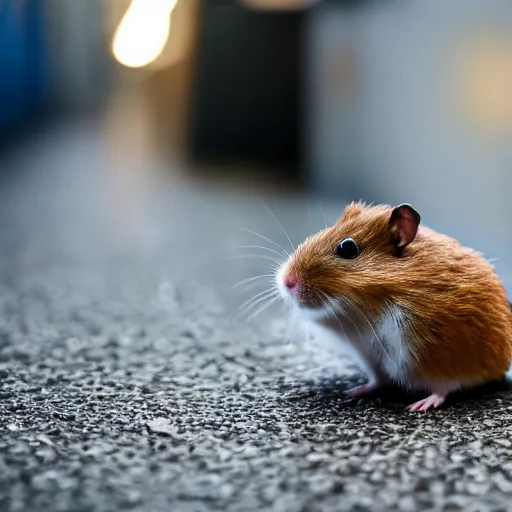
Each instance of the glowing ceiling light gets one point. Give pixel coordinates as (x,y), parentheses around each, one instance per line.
(143,32)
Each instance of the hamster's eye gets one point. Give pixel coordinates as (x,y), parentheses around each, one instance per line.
(347,249)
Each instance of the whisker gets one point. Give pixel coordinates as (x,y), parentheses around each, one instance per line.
(257,300)
(250,280)
(285,252)
(323,215)
(250,286)
(305,331)
(262,308)
(262,256)
(336,306)
(253,305)
(360,310)
(259,247)
(281,226)
(376,336)
(248,301)
(291,328)
(330,307)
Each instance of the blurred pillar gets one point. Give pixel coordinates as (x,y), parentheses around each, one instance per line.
(246,89)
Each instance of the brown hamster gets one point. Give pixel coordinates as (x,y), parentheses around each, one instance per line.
(416,307)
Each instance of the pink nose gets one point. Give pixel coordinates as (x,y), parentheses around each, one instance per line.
(292,283)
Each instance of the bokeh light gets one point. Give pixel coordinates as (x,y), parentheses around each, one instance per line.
(143,32)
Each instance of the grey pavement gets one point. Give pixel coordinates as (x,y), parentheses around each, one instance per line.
(127,383)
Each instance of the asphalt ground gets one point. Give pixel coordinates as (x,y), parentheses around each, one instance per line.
(127,383)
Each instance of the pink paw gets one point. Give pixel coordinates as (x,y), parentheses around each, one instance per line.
(362,390)
(432,401)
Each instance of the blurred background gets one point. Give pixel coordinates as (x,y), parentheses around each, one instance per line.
(143,116)
(158,158)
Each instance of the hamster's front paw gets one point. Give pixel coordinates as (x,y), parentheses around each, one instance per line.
(362,390)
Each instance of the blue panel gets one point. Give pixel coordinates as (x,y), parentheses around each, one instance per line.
(23,59)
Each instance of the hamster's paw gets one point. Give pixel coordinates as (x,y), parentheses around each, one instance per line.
(432,401)
(362,390)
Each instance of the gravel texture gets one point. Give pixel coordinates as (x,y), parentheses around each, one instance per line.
(126,384)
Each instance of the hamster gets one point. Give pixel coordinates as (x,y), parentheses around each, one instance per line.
(415,307)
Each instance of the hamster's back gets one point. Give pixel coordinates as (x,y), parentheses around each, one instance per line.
(462,324)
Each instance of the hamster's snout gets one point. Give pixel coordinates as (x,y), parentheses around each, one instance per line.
(295,289)
(289,284)
(292,284)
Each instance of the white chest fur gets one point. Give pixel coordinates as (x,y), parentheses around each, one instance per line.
(380,346)
(395,357)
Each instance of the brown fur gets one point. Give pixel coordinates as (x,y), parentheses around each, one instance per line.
(459,324)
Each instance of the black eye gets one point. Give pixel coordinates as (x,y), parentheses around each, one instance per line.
(347,249)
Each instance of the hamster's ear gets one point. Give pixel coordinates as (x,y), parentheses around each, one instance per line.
(403,225)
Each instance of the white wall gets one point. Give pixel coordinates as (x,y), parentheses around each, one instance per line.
(402,138)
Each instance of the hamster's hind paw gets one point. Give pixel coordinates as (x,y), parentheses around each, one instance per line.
(431,402)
